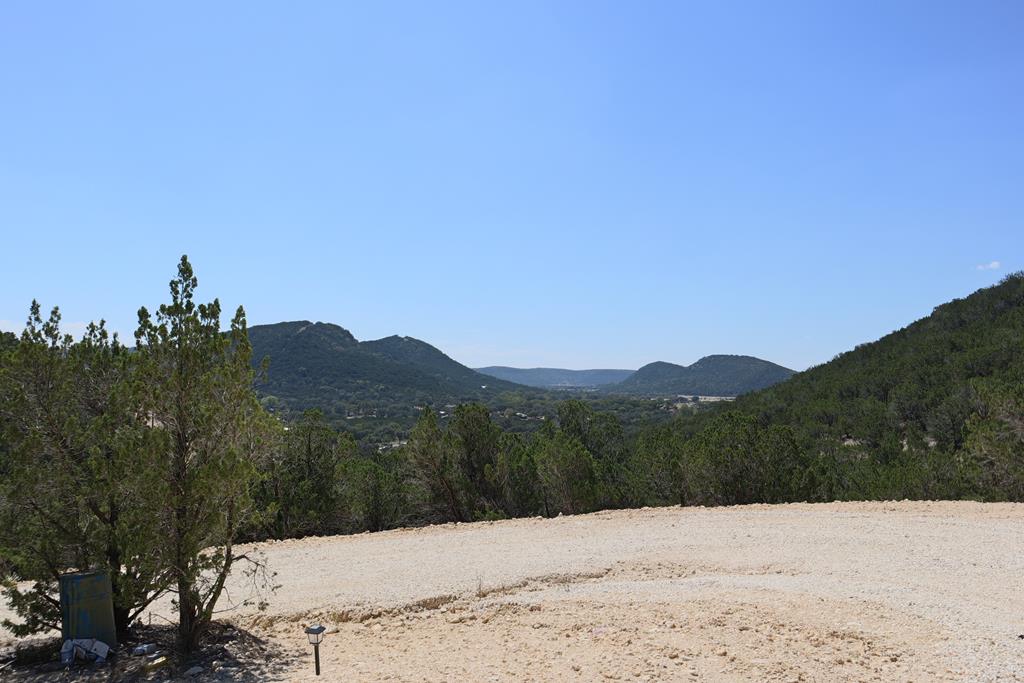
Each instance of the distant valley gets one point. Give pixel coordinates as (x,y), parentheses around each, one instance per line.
(378,388)
(719,375)
(557,378)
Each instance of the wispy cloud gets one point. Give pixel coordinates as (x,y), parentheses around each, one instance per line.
(991,265)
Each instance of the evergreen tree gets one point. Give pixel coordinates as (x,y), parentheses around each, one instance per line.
(565,470)
(435,466)
(73,492)
(299,492)
(206,430)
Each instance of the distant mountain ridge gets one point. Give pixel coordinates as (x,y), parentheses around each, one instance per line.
(716,375)
(556,378)
(323,365)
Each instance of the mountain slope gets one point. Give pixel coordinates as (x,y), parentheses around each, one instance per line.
(549,378)
(322,365)
(719,375)
(425,358)
(933,384)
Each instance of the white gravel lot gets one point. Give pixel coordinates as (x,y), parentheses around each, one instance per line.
(852,591)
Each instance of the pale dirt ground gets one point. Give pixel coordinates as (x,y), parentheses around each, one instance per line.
(837,592)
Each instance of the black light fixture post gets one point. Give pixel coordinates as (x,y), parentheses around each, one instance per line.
(315,635)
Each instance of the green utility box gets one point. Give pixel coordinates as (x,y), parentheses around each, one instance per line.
(87,607)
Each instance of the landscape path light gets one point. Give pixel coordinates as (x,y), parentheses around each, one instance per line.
(315,635)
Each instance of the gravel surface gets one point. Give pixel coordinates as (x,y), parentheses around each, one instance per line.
(852,591)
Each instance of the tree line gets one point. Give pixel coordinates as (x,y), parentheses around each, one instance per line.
(318,482)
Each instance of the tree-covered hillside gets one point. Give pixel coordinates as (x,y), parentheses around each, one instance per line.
(322,365)
(719,375)
(431,361)
(932,385)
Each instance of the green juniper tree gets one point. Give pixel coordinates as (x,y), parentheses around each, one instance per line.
(565,470)
(514,477)
(473,438)
(205,431)
(372,493)
(435,467)
(299,488)
(74,494)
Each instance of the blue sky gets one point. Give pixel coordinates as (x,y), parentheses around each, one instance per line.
(576,184)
